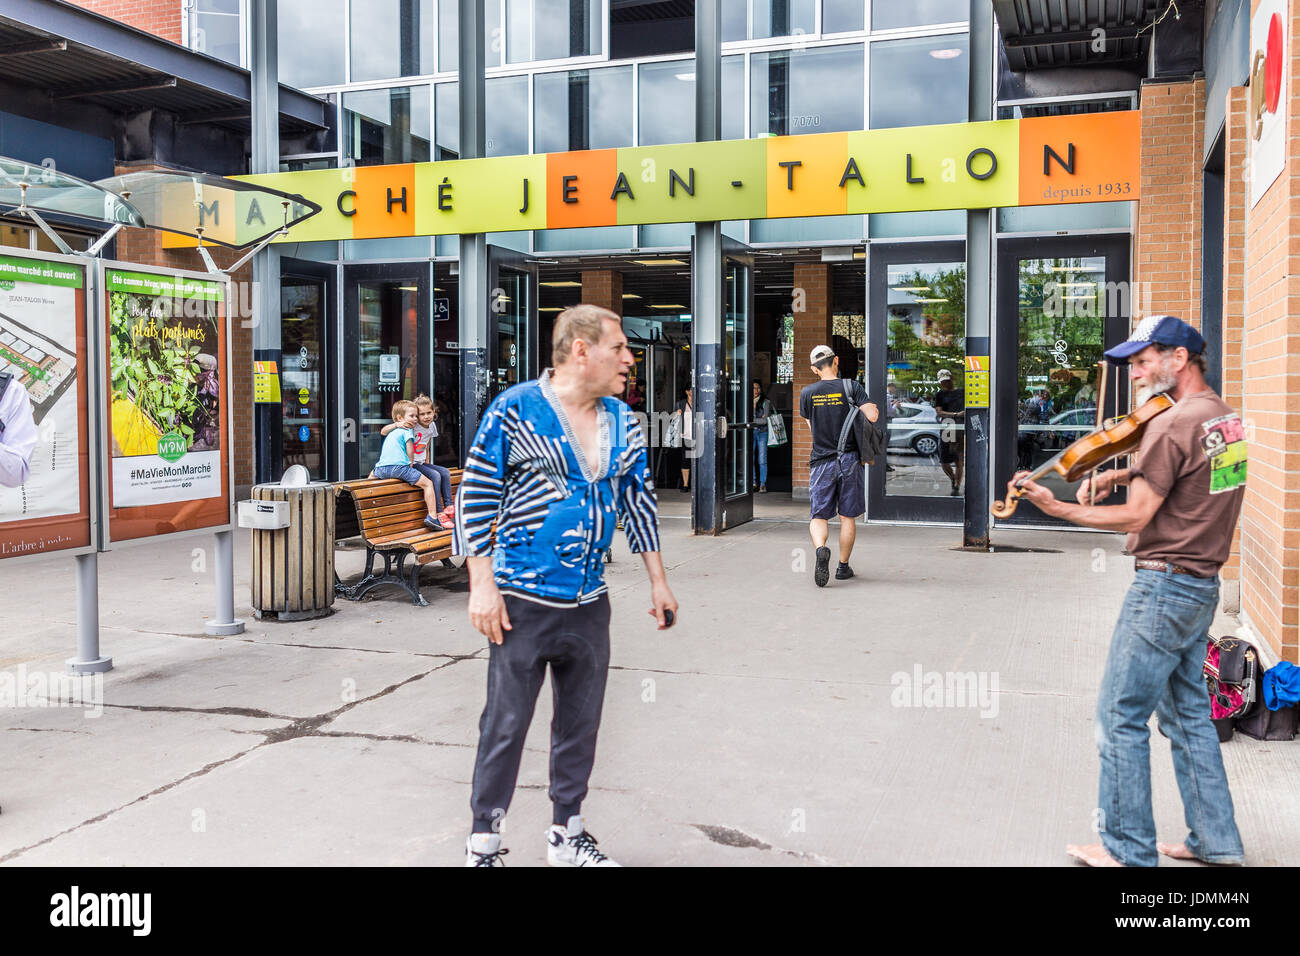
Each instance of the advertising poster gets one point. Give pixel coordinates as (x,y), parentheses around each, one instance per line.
(1269,27)
(44,462)
(166,410)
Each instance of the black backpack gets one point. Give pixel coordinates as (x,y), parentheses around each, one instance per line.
(870,438)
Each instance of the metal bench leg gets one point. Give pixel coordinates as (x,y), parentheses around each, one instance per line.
(372,580)
(411,582)
(353,592)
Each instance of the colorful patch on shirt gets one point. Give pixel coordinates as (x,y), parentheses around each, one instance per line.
(1224,443)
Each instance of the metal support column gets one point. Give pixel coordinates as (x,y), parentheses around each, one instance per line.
(706,287)
(225,622)
(88,659)
(266,264)
(475,296)
(980,298)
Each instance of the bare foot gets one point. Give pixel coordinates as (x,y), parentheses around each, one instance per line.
(1176,851)
(1094,855)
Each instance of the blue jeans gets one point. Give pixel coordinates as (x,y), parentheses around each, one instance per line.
(441,479)
(760,454)
(1154,664)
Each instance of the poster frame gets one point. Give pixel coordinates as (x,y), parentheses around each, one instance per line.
(106,540)
(90,285)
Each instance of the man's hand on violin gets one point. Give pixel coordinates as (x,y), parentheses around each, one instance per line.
(1095,488)
(1033,492)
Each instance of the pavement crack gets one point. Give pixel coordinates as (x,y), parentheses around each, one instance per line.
(391,738)
(730,836)
(205,769)
(220,711)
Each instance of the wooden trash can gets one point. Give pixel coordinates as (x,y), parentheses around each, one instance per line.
(293,567)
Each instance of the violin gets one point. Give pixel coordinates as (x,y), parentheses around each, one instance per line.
(1119,436)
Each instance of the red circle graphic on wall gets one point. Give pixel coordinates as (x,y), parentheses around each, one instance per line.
(1273,64)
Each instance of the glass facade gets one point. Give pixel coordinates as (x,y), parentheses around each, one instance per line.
(392,38)
(217,30)
(381,127)
(666,97)
(582,109)
(897,14)
(925,78)
(817,90)
(316,55)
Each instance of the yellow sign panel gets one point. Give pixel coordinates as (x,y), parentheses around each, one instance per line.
(977,381)
(266,383)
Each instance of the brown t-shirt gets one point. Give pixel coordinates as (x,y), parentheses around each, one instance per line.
(1194,456)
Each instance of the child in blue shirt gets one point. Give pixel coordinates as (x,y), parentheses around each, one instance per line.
(397,454)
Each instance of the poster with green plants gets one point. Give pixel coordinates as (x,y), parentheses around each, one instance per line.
(165,388)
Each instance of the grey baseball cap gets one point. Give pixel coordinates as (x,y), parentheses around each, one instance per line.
(821,353)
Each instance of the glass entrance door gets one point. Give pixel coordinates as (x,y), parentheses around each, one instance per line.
(512,299)
(916,360)
(388,353)
(735,470)
(308,421)
(1062,303)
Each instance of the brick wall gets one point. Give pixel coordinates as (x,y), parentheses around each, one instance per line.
(1236,195)
(1270,521)
(603,288)
(162,18)
(812,327)
(1167,244)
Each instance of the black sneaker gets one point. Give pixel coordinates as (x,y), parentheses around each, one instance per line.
(432,523)
(822,572)
(843,572)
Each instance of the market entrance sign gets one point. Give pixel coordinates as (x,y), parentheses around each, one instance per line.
(1028,162)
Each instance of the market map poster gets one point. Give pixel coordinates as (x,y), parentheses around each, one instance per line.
(44,457)
(167,413)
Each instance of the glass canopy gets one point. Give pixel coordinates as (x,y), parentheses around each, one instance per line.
(226,212)
(45,189)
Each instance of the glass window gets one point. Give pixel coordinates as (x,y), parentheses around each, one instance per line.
(809,91)
(387,126)
(553,29)
(1063,306)
(733,97)
(449,35)
(893,14)
(507,115)
(1086,215)
(315,57)
(919,82)
(447,121)
(926,304)
(582,109)
(588,237)
(806,229)
(756,19)
(392,38)
(669,234)
(217,30)
(841,16)
(667,102)
(905,225)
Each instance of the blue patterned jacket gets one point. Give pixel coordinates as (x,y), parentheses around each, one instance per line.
(555,513)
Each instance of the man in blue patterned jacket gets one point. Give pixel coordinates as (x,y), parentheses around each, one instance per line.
(556,462)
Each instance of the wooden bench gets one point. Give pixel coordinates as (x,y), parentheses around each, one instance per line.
(388,514)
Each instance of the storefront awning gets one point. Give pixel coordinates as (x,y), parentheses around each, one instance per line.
(26,187)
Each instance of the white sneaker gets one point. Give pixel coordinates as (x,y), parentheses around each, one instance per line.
(484,849)
(574,846)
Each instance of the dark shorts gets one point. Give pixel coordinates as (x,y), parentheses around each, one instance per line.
(404,472)
(951,452)
(838,487)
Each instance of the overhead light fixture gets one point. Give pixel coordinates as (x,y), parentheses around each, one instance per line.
(931,300)
(551,308)
(630,295)
(679,308)
(1077,285)
(660,262)
(686,77)
(948,54)
(408,288)
(562,284)
(911,288)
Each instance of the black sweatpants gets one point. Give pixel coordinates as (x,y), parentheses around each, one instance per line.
(575,642)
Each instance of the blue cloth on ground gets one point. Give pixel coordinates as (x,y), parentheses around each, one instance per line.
(1281,686)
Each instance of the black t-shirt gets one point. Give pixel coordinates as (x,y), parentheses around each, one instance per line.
(949,400)
(825,406)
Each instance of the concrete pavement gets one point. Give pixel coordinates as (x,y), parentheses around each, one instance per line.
(936,709)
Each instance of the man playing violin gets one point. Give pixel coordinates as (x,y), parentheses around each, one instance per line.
(1185,493)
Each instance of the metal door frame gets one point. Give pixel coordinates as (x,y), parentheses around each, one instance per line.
(326,273)
(500,257)
(738,509)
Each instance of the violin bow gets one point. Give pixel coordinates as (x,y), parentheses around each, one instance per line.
(1102,367)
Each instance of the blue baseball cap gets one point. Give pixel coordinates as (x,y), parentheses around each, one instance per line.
(1158,330)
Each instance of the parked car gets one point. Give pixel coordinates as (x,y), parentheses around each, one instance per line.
(915,425)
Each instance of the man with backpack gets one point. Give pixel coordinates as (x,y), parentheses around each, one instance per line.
(836,479)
